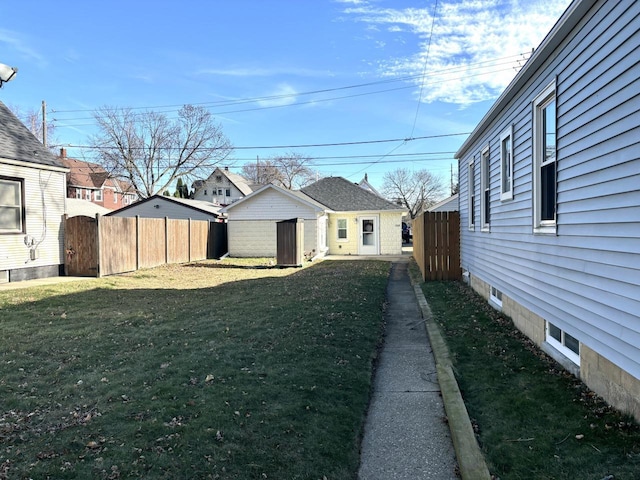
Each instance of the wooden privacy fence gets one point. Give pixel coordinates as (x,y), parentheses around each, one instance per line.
(108,245)
(436,245)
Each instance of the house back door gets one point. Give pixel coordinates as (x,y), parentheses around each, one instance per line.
(368,235)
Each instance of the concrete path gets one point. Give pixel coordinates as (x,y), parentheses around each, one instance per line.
(406,435)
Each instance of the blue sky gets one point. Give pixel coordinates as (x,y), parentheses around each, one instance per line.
(280,73)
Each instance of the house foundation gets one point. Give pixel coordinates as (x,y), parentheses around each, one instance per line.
(617,387)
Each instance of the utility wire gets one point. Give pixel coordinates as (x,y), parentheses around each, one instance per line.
(424,71)
(306,145)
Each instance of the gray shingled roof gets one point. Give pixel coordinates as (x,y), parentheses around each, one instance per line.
(18,143)
(341,195)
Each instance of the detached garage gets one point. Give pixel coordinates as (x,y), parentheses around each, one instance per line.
(252,222)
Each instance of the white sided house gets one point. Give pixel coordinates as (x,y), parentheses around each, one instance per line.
(550,198)
(340,218)
(32,204)
(251,224)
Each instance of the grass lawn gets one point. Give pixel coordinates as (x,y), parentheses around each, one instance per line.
(533,419)
(209,370)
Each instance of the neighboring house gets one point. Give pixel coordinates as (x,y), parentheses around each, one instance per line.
(91,182)
(364,183)
(339,218)
(32,204)
(550,198)
(222,187)
(161,206)
(447,205)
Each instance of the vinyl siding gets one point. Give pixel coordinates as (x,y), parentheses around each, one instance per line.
(258,238)
(273,205)
(252,223)
(586,278)
(166,208)
(44,193)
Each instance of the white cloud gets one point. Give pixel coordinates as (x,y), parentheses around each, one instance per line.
(17,42)
(476,47)
(284,94)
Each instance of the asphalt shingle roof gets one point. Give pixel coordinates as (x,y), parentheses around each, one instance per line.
(341,195)
(18,143)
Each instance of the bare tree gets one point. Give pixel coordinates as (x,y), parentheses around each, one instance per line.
(263,172)
(290,171)
(295,170)
(32,119)
(151,151)
(415,191)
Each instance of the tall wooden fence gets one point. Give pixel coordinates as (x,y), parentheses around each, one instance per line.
(108,245)
(436,245)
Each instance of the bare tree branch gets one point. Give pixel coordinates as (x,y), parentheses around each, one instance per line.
(150,151)
(416,190)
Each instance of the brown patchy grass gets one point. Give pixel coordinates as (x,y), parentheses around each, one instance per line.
(208,370)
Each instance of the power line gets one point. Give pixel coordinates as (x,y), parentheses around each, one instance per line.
(308,145)
(295,95)
(424,71)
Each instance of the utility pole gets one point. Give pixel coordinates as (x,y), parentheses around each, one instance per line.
(44,123)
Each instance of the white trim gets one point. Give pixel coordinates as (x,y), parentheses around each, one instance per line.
(506,194)
(495,298)
(485,188)
(547,96)
(471,186)
(346,229)
(560,347)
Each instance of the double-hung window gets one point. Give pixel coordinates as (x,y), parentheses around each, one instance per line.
(485,185)
(471,181)
(544,161)
(506,164)
(11,205)
(342,229)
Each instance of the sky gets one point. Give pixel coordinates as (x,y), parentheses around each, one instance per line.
(358,86)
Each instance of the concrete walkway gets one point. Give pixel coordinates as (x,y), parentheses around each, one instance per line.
(406,435)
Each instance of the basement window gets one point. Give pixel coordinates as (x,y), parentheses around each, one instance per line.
(495,298)
(566,344)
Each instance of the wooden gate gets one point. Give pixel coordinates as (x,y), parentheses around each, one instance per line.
(81,247)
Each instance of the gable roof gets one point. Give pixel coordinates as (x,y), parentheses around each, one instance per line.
(84,174)
(294,194)
(17,143)
(364,183)
(341,195)
(449,204)
(237,180)
(200,205)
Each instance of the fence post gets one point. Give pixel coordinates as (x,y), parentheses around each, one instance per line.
(166,240)
(189,239)
(138,242)
(98,245)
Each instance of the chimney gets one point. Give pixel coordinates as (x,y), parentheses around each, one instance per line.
(63,153)
(226,169)
(366,178)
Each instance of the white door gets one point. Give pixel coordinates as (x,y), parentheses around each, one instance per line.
(368,235)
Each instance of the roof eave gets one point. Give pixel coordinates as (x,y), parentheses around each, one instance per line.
(554,38)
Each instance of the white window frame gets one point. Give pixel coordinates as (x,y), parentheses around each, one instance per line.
(79,193)
(560,345)
(97,195)
(345,228)
(506,165)
(19,207)
(541,102)
(495,297)
(471,181)
(485,189)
